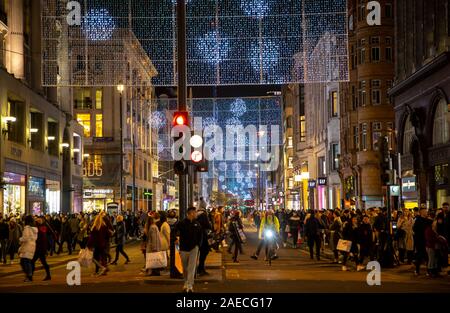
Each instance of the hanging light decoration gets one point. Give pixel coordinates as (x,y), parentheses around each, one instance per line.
(98,25)
(158,120)
(238,107)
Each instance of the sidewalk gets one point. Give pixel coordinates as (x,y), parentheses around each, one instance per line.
(213,267)
(53,261)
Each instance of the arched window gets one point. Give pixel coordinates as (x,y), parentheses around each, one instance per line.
(408,134)
(441,130)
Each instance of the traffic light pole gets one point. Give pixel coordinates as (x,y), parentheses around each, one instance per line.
(182,93)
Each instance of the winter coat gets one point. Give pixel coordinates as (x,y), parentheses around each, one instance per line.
(218,223)
(98,238)
(364,236)
(15,232)
(420,225)
(74,225)
(83,233)
(165,236)
(66,232)
(294,223)
(153,240)
(233,227)
(42,239)
(269,222)
(28,242)
(4,230)
(431,238)
(407,242)
(121,233)
(312,227)
(336,233)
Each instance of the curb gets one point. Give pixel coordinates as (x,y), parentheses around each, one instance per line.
(38,268)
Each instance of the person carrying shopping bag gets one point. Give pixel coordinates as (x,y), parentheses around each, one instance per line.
(190,232)
(154,257)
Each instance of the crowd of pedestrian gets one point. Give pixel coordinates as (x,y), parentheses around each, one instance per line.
(417,235)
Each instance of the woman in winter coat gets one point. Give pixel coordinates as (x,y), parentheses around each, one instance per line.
(350,233)
(98,240)
(120,236)
(431,243)
(42,245)
(406,240)
(335,234)
(164,229)
(153,241)
(294,228)
(15,232)
(28,247)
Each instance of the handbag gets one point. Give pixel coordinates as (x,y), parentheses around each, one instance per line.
(344,245)
(85,257)
(155,260)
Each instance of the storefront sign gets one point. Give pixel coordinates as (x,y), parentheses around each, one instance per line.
(102,171)
(99,191)
(36,187)
(322,181)
(409,184)
(312,184)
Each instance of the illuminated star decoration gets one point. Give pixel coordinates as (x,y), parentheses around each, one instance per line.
(158,120)
(212,48)
(238,107)
(233,121)
(255,8)
(221,178)
(223,166)
(98,25)
(236,167)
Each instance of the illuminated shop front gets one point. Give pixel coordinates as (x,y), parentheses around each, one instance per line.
(409,192)
(321,192)
(53,196)
(14,193)
(36,195)
(97,199)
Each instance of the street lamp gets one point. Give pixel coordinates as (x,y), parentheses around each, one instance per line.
(120,89)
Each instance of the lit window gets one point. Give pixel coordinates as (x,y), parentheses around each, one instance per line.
(334,104)
(290,142)
(441,125)
(99,125)
(290,162)
(302,129)
(85,121)
(98,99)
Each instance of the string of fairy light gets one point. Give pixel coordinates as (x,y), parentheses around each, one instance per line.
(228,42)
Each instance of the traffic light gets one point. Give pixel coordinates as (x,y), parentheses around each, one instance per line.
(180,118)
(180,167)
(385,168)
(197,156)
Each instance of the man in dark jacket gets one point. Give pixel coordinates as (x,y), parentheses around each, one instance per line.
(66,236)
(365,240)
(283,219)
(4,236)
(420,225)
(41,247)
(312,233)
(202,218)
(190,232)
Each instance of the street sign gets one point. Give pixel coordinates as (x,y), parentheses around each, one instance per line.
(394,190)
(312,184)
(322,181)
(409,184)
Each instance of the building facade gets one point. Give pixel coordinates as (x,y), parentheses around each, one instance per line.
(41,144)
(366,110)
(421,96)
(98,110)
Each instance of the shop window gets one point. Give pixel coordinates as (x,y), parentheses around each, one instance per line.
(334,104)
(441,125)
(99,125)
(36,130)
(85,121)
(98,99)
(53,138)
(16,128)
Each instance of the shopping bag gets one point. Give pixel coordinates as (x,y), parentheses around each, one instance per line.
(85,257)
(242,236)
(344,245)
(178,262)
(155,260)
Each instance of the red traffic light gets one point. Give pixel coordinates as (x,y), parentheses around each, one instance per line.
(180,118)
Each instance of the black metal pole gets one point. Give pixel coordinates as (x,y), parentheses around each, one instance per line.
(121,152)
